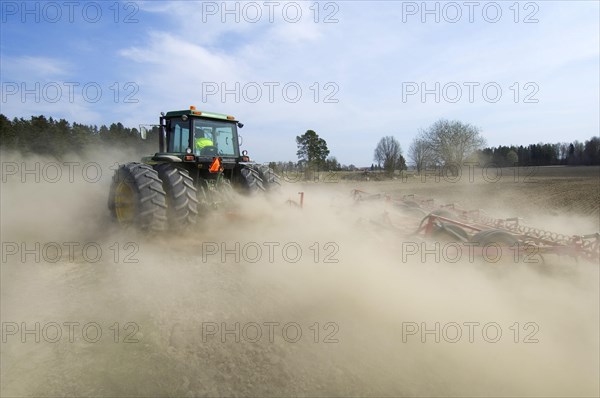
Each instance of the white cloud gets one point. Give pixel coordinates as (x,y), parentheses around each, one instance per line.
(33,68)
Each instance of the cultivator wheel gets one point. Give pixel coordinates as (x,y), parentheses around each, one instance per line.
(494,237)
(137,198)
(182,195)
(449,232)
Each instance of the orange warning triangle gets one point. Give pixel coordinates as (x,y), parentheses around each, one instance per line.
(215,167)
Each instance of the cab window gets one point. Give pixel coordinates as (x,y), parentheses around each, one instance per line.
(180,135)
(215,138)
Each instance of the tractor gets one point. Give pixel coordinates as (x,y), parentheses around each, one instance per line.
(198,165)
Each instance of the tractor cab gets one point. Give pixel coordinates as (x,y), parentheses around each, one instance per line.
(195,135)
(206,144)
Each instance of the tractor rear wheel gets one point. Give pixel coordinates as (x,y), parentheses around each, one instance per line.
(251,180)
(182,195)
(270,179)
(137,198)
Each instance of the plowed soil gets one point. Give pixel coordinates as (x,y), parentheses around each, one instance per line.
(271,300)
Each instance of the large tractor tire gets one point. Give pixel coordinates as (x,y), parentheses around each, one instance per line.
(271,181)
(137,198)
(251,180)
(182,195)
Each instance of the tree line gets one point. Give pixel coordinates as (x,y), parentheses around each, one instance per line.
(448,142)
(444,142)
(57,137)
(564,153)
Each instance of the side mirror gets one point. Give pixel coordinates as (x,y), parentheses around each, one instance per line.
(143,132)
(146,128)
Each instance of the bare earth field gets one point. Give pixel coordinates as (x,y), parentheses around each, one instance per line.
(540,195)
(553,190)
(271,300)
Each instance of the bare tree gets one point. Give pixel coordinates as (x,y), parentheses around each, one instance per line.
(563,151)
(389,154)
(451,142)
(420,153)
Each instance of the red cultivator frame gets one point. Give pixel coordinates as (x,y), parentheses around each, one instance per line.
(474,230)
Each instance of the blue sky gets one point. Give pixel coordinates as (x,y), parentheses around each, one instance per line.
(361,74)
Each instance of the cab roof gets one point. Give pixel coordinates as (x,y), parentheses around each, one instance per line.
(193,112)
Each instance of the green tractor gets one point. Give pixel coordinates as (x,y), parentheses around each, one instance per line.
(198,164)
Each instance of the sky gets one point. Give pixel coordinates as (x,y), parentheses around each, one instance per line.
(353,71)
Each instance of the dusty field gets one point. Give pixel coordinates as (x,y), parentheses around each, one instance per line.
(309,303)
(550,190)
(543,196)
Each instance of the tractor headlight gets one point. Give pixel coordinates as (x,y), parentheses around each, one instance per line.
(188,150)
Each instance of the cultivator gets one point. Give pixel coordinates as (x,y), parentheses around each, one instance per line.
(475,231)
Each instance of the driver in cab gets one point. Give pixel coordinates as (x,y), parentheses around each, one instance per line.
(201,140)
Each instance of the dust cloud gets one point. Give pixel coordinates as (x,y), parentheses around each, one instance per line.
(264,298)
